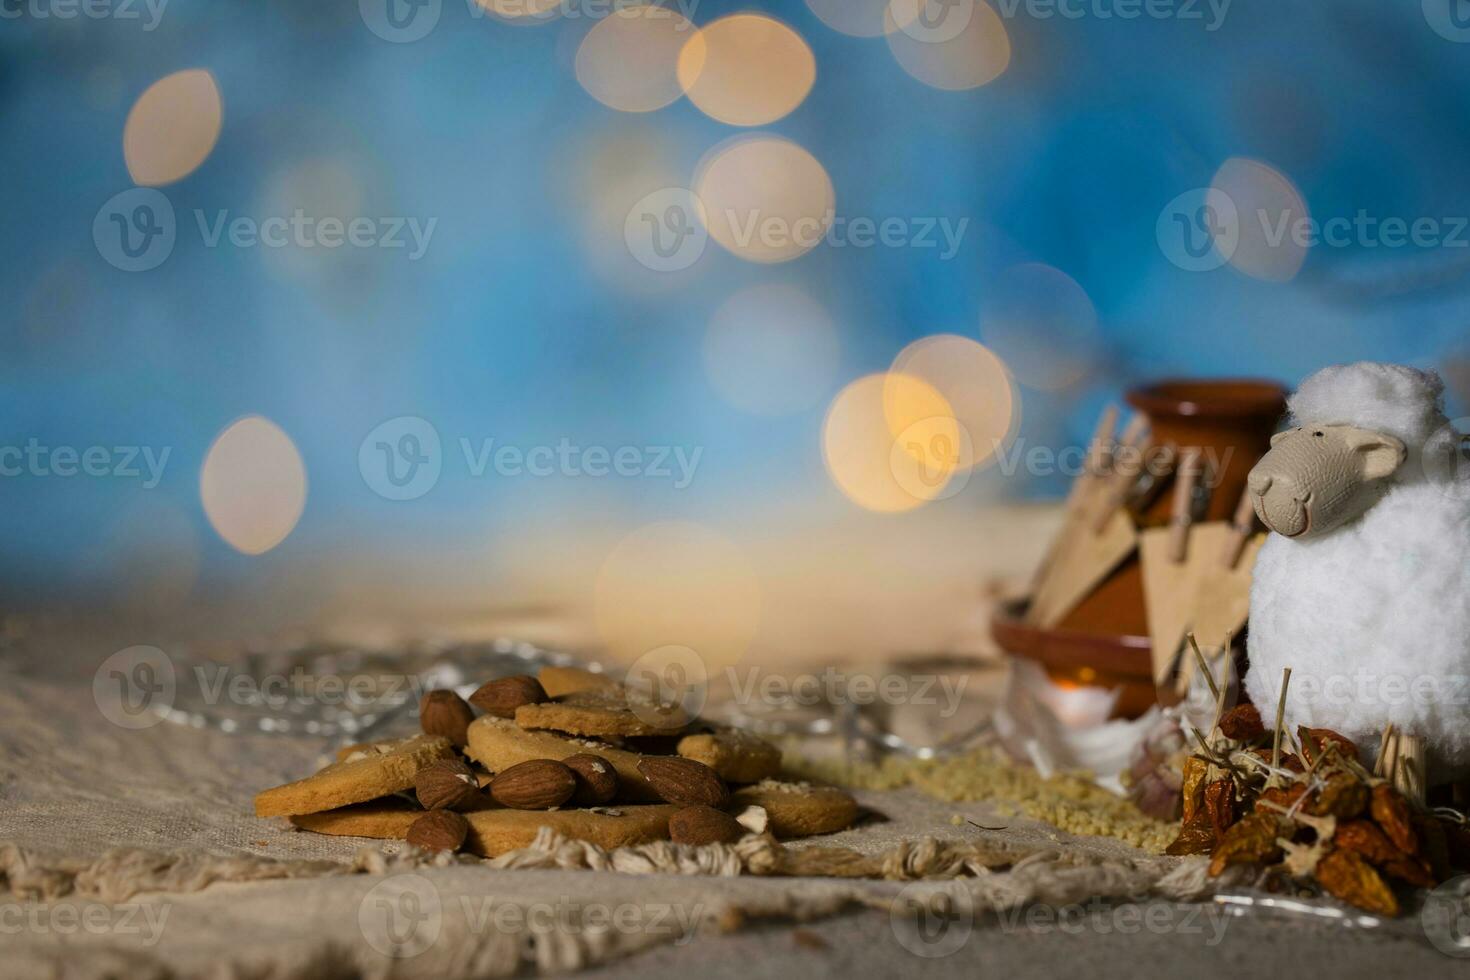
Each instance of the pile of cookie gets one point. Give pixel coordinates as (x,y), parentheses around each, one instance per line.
(570,749)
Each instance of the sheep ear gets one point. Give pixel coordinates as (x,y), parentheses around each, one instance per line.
(1381,454)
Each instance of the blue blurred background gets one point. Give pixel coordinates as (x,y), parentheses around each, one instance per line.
(1059,136)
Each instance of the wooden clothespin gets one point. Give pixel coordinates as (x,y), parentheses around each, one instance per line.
(1097,537)
(1095,465)
(1170,564)
(1241,527)
(1222,598)
(1134,442)
(1181,514)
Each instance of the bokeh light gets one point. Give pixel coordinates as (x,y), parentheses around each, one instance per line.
(629,60)
(526,13)
(771,350)
(253,485)
(973,382)
(677,583)
(172,127)
(1042,324)
(977,53)
(746,69)
(765,198)
(864,451)
(1268,209)
(860,18)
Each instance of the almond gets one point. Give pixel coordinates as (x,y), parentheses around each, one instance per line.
(438,830)
(446,713)
(684,782)
(446,785)
(502,696)
(704,825)
(597,780)
(538,784)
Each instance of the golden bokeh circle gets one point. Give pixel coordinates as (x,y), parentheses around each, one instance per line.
(930,458)
(765,199)
(522,12)
(172,128)
(976,54)
(1269,210)
(974,383)
(746,69)
(858,442)
(253,485)
(629,60)
(859,18)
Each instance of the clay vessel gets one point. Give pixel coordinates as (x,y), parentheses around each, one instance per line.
(1104,641)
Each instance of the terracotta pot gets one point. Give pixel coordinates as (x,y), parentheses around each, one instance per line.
(1231,421)
(1075,657)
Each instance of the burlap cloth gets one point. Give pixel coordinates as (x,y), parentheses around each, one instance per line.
(134,853)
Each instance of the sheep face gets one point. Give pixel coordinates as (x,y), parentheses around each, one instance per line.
(1319,477)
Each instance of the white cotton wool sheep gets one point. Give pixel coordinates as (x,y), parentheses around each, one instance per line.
(1364,588)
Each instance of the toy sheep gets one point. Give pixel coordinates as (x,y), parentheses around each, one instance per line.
(1364,588)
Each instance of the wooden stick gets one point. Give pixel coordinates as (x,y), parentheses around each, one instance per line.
(1204,667)
(1099,451)
(1242,525)
(1401,762)
(1101,446)
(1181,513)
(1118,482)
(1219,706)
(1280,719)
(1134,430)
(1383,745)
(1410,749)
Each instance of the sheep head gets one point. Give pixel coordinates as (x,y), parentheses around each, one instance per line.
(1319,477)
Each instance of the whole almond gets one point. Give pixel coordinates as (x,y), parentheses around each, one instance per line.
(597,780)
(539,784)
(446,785)
(683,781)
(446,713)
(438,830)
(502,696)
(704,825)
